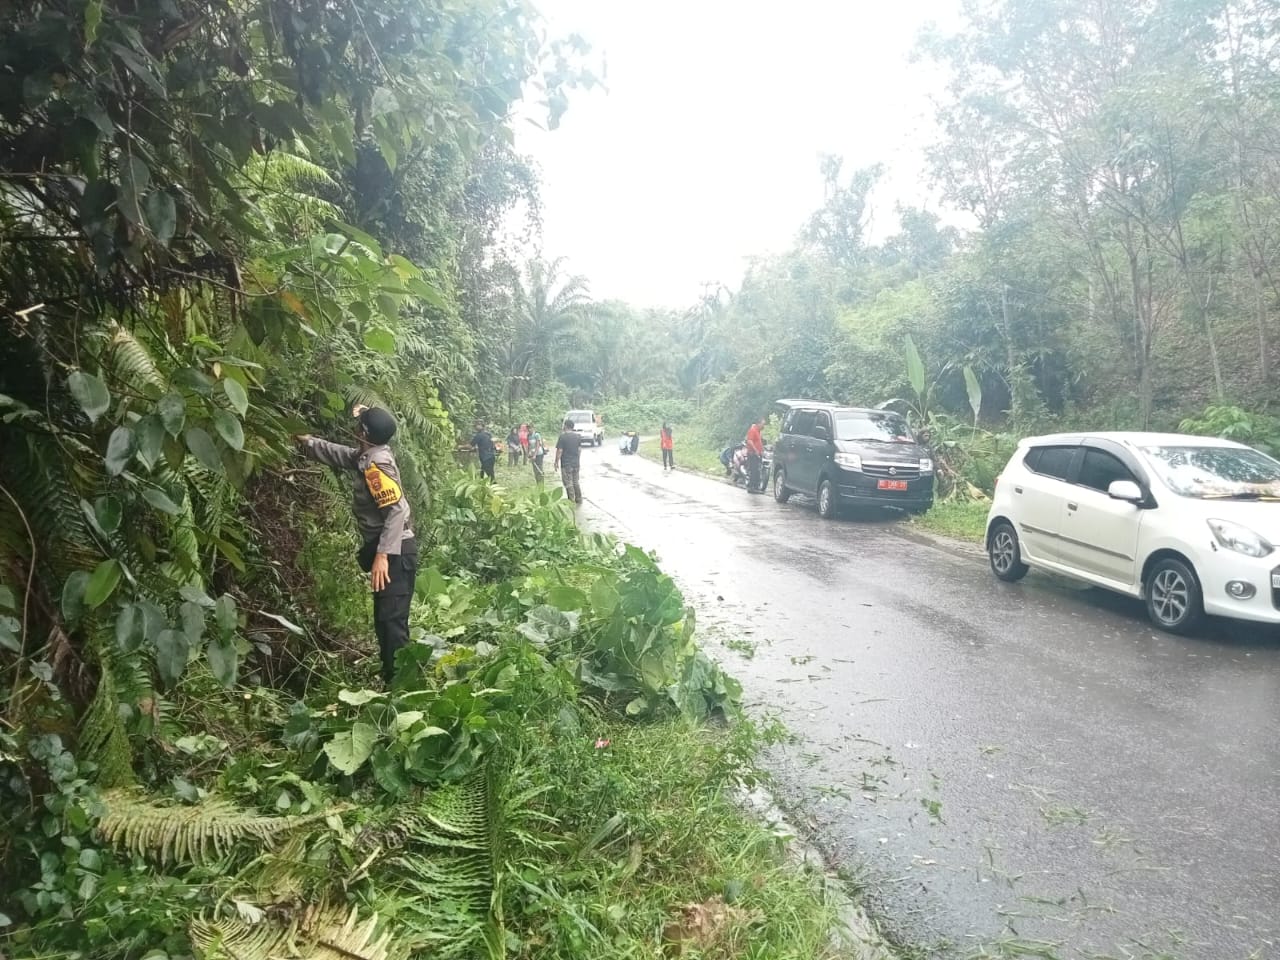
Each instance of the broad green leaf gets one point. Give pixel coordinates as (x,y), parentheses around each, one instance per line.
(388,771)
(153,619)
(135,175)
(384,101)
(974,389)
(638,707)
(160,500)
(162,215)
(915,367)
(8,599)
(196,595)
(229,429)
(407,718)
(102,583)
(129,627)
(223,660)
(224,612)
(564,597)
(192,621)
(348,750)
(173,650)
(10,633)
(149,434)
(91,393)
(73,595)
(358,698)
(380,339)
(173,412)
(119,450)
(107,511)
(236,395)
(92,20)
(202,447)
(604,597)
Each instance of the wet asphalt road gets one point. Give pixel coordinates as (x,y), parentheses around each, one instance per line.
(1021,764)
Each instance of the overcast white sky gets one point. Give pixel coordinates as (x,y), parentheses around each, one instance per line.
(704,150)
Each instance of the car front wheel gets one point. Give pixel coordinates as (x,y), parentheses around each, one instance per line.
(1005,553)
(826,500)
(1174,600)
(780,491)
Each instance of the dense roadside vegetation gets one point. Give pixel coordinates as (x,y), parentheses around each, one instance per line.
(1117,174)
(220,225)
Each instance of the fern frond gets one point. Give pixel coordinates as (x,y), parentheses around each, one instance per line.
(130,361)
(102,735)
(321,933)
(194,834)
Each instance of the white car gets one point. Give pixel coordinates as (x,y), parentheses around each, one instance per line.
(1189,524)
(585,426)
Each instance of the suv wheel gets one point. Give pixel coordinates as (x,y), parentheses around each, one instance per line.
(1174,600)
(1005,553)
(826,499)
(780,491)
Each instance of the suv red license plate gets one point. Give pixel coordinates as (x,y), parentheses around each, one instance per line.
(891,485)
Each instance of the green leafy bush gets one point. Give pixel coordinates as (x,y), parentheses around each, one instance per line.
(1259,430)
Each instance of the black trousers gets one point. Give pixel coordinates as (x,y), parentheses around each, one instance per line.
(486,470)
(668,458)
(754,463)
(391,604)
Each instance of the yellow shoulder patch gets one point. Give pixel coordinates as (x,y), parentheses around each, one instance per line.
(384,490)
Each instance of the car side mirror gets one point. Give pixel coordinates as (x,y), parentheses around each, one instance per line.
(1125,490)
(821,433)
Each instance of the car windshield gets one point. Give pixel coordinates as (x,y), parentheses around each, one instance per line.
(1213,473)
(889,427)
(580,416)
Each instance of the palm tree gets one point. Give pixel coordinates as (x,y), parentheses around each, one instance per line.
(545,311)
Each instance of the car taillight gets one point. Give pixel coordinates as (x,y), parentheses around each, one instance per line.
(995,485)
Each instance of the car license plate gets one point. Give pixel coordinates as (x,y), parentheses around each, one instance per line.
(892,485)
(1275,581)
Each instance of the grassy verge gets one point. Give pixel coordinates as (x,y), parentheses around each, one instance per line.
(656,857)
(692,451)
(959,520)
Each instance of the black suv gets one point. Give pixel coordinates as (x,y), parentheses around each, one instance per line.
(850,455)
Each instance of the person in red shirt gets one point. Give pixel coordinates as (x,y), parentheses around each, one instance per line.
(668,455)
(755,455)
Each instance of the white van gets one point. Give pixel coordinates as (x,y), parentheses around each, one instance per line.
(585,426)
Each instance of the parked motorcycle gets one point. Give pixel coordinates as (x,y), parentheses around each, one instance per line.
(736,469)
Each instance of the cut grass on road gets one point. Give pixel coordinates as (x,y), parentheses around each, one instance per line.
(956,519)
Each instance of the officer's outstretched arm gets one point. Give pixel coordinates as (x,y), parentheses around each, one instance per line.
(330,454)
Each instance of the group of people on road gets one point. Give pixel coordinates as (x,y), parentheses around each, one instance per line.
(525,445)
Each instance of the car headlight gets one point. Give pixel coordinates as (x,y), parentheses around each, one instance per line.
(926,466)
(1240,539)
(850,461)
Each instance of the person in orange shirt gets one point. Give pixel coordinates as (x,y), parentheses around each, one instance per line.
(755,455)
(668,455)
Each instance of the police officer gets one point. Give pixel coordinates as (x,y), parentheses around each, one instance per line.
(389,552)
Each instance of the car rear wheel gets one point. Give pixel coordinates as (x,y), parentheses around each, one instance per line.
(1005,553)
(780,491)
(826,499)
(1174,599)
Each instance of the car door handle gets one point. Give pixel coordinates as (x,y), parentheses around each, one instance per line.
(1017,489)
(1073,506)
